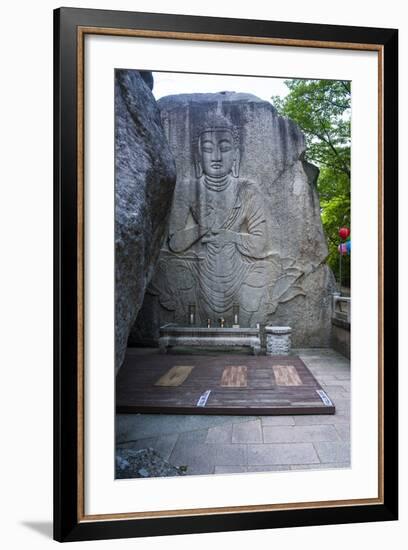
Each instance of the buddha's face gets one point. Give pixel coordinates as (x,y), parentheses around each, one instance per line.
(217,152)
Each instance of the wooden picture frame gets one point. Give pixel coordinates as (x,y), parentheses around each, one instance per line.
(71,26)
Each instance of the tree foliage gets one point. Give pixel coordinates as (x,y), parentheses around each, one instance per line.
(322,109)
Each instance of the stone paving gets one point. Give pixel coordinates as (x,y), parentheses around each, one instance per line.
(235,444)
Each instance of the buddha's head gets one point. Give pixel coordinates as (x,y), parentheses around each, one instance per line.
(218,152)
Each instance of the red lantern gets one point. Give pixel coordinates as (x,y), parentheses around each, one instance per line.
(344,232)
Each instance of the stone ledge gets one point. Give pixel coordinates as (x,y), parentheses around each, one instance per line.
(278,330)
(341,323)
(175,335)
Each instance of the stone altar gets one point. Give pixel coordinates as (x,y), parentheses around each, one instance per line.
(175,335)
(245,223)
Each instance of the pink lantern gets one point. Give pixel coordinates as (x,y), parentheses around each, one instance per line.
(342,248)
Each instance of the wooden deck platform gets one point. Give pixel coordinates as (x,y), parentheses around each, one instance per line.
(218,384)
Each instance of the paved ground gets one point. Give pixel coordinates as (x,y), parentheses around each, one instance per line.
(233,444)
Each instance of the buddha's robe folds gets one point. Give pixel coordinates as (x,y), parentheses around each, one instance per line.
(226,229)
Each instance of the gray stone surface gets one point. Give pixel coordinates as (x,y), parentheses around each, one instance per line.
(229,455)
(148,78)
(220,434)
(317,420)
(194,437)
(338,451)
(277,421)
(278,340)
(299,434)
(198,457)
(247,432)
(132,427)
(165,444)
(245,225)
(344,431)
(144,185)
(282,453)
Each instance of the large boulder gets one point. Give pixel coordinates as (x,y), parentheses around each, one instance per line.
(145,180)
(245,240)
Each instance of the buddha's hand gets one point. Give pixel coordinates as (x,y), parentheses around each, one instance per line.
(206,217)
(220,237)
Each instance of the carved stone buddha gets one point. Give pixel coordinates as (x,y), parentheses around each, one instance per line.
(221,220)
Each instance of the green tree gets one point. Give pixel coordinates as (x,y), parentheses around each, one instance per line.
(322,109)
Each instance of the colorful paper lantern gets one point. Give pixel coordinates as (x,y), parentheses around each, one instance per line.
(342,248)
(344,232)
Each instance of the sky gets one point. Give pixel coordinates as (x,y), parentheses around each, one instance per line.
(185,83)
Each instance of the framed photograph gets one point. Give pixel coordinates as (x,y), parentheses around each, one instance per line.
(224,358)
